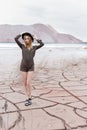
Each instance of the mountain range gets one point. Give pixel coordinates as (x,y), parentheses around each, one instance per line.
(45,32)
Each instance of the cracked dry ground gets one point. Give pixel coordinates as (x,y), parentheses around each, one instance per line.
(59,93)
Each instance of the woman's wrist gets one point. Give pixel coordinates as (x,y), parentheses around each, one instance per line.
(39,40)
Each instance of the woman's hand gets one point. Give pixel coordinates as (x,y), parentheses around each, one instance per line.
(34,37)
(37,39)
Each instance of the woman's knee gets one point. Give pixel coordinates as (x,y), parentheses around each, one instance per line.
(28,83)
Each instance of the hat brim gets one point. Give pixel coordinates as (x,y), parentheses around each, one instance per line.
(27,34)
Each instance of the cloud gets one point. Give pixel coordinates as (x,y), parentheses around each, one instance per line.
(68,16)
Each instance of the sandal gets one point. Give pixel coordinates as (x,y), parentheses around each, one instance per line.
(28,102)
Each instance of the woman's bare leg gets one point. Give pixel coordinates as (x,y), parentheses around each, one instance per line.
(29,79)
(24,77)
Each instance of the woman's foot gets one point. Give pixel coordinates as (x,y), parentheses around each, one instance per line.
(28,102)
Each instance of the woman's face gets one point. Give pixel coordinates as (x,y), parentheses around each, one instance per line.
(27,40)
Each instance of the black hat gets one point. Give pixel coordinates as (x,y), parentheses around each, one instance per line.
(28,34)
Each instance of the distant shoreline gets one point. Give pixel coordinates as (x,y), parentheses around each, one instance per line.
(48,45)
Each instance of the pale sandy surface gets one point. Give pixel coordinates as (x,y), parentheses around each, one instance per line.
(59,91)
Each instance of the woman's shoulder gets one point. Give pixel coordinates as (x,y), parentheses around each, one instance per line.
(23,45)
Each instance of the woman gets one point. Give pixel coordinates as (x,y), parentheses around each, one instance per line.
(27,62)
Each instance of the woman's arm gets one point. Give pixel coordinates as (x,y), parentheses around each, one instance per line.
(41,43)
(17,40)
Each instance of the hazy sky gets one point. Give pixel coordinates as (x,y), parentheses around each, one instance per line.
(66,16)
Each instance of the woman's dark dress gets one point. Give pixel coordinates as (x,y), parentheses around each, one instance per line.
(27,62)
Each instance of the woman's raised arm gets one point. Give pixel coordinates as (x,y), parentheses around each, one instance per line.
(17,40)
(41,43)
